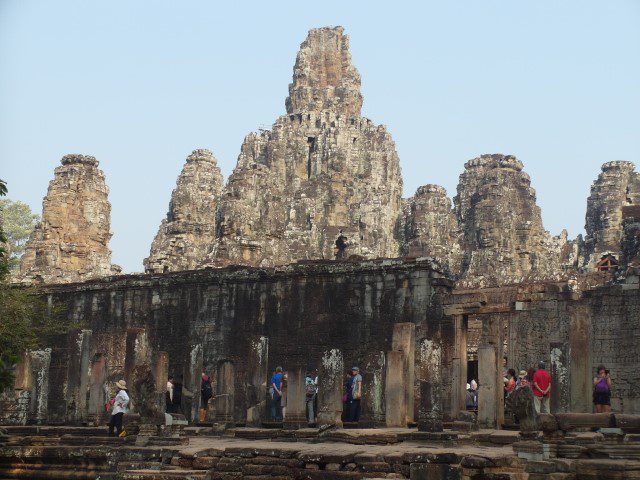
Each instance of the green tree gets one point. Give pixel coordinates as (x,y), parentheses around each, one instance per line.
(18,222)
(26,321)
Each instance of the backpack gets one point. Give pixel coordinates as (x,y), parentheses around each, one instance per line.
(310,389)
(109,405)
(207,391)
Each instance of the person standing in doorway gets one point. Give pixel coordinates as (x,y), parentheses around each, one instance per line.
(355,393)
(276,395)
(120,407)
(311,390)
(602,390)
(206,392)
(179,392)
(541,389)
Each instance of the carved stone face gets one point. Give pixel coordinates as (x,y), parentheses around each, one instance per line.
(487,237)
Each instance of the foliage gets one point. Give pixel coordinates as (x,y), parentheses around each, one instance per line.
(25,318)
(17,223)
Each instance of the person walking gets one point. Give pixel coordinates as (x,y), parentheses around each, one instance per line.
(602,390)
(276,395)
(541,389)
(120,407)
(206,392)
(355,395)
(311,391)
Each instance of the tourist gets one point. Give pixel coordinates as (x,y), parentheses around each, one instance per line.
(523,381)
(276,395)
(541,388)
(169,395)
(179,391)
(510,385)
(354,393)
(206,392)
(602,390)
(120,407)
(311,391)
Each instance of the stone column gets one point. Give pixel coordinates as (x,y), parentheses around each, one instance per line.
(78,375)
(97,394)
(330,379)
(487,393)
(194,380)
(257,378)
(430,380)
(373,385)
(580,359)
(295,414)
(40,363)
(137,352)
(161,376)
(404,340)
(224,398)
(459,363)
(395,394)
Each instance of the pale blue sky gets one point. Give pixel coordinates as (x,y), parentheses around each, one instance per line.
(140,84)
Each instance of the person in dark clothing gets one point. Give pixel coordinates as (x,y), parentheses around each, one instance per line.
(179,391)
(206,392)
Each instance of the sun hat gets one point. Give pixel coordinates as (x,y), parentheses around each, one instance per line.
(355,369)
(522,374)
(121,384)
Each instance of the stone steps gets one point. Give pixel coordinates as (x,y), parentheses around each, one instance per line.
(170,474)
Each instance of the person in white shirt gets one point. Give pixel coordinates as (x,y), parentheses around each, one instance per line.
(120,407)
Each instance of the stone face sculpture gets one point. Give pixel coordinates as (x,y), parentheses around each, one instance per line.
(617,187)
(322,172)
(70,244)
(187,233)
(503,237)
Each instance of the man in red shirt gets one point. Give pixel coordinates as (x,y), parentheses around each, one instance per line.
(541,388)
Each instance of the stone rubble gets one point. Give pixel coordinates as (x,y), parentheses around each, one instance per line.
(70,244)
(186,234)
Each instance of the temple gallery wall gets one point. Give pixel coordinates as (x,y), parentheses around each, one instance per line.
(309,257)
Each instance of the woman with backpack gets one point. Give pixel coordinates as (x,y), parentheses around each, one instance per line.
(602,390)
(206,392)
(119,406)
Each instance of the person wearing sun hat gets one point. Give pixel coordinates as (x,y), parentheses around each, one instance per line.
(120,407)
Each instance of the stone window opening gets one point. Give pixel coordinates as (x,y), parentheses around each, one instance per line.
(311,142)
(607,263)
(341,246)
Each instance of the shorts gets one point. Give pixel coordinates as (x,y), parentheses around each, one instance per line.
(602,398)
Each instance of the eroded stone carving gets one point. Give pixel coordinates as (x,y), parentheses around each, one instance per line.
(187,233)
(324,182)
(70,244)
(617,186)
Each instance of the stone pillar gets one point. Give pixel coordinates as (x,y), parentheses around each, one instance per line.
(194,379)
(430,381)
(404,340)
(161,376)
(487,393)
(459,366)
(137,352)
(97,391)
(295,414)
(40,363)
(395,390)
(224,400)
(257,377)
(330,379)
(580,359)
(373,385)
(78,375)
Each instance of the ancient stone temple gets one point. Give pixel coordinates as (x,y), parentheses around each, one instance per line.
(430,228)
(617,187)
(503,237)
(70,244)
(187,233)
(324,182)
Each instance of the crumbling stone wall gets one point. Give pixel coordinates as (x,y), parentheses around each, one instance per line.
(211,317)
(187,233)
(71,242)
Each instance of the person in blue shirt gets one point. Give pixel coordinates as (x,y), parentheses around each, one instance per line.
(276,395)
